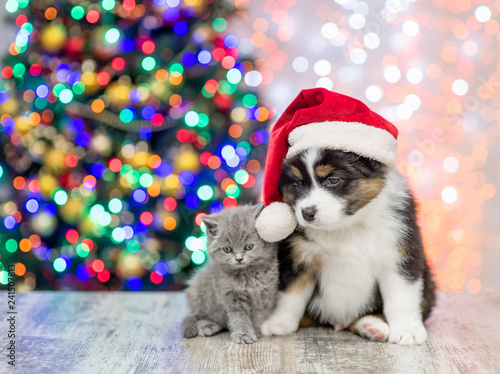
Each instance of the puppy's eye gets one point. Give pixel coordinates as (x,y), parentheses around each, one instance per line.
(227,249)
(332,181)
(248,247)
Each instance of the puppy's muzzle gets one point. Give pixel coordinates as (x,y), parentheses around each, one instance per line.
(309,213)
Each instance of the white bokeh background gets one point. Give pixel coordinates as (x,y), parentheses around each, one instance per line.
(432,68)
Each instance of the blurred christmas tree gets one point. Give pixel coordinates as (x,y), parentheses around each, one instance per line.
(122,124)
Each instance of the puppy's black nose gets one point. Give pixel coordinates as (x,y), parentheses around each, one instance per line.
(309,213)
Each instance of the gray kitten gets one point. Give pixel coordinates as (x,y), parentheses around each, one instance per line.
(237,290)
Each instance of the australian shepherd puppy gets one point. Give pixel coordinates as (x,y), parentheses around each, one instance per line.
(356,259)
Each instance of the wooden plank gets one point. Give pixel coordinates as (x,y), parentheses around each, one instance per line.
(113,332)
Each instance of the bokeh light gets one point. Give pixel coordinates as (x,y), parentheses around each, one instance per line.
(113,135)
(430,68)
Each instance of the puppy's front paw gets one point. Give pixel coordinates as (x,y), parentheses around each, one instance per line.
(275,326)
(373,328)
(409,334)
(243,337)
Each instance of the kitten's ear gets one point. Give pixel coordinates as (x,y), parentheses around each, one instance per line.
(257,209)
(211,223)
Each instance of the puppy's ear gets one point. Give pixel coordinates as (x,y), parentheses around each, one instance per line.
(368,167)
(211,223)
(257,209)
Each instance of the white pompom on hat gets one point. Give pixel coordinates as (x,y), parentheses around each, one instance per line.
(319,118)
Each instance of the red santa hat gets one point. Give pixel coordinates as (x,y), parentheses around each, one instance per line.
(324,119)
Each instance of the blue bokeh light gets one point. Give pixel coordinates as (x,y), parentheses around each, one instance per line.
(231,41)
(181,28)
(134,283)
(187,178)
(140,196)
(82,272)
(32,205)
(127,45)
(192,201)
(9,222)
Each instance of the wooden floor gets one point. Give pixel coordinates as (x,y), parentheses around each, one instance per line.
(89,332)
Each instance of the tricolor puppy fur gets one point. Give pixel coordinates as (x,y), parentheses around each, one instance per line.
(355,258)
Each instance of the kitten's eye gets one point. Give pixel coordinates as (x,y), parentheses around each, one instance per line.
(332,181)
(248,247)
(227,249)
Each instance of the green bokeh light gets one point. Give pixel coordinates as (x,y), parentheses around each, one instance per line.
(241,176)
(126,115)
(193,243)
(12,6)
(77,12)
(59,264)
(233,191)
(11,245)
(118,235)
(115,205)
(82,250)
(60,197)
(205,193)
(191,118)
(108,4)
(58,88)
(146,180)
(40,103)
(27,26)
(133,177)
(228,88)
(148,63)
(202,120)
(4,279)
(133,246)
(66,96)
(104,219)
(249,100)
(219,24)
(198,257)
(205,93)
(112,36)
(109,175)
(95,212)
(126,168)
(79,88)
(177,68)
(234,76)
(19,70)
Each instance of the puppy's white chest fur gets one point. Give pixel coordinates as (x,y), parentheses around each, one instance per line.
(345,279)
(351,260)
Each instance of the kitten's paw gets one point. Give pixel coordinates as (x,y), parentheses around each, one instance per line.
(189,332)
(275,326)
(243,338)
(410,334)
(189,329)
(372,328)
(207,328)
